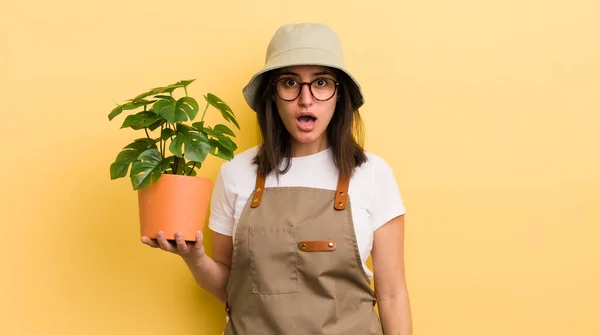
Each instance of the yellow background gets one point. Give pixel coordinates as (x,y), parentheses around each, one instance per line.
(487,111)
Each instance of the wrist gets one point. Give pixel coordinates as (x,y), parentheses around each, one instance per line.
(195,260)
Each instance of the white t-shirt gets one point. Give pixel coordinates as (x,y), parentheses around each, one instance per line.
(373,192)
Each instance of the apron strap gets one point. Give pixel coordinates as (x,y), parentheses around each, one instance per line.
(258,190)
(341,193)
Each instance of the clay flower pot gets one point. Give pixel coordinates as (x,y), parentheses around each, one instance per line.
(175,203)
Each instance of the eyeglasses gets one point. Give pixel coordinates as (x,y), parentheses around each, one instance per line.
(322,89)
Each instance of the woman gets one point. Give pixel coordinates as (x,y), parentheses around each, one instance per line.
(295,218)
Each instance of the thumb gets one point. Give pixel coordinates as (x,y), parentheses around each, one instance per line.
(199,239)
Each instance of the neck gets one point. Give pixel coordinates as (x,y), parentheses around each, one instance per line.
(305,149)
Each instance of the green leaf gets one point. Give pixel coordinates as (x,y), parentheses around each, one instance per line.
(190,168)
(141,120)
(227,143)
(170,164)
(199,126)
(141,144)
(167,133)
(119,168)
(157,124)
(116,111)
(164,165)
(185,83)
(182,83)
(148,165)
(170,111)
(137,104)
(158,90)
(189,106)
(223,129)
(222,107)
(195,144)
(128,106)
(218,150)
(210,132)
(153,91)
(219,104)
(167,97)
(129,154)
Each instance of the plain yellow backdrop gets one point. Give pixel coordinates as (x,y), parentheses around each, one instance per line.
(487,111)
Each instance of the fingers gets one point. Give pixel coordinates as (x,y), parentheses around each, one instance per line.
(181,244)
(163,243)
(199,240)
(150,242)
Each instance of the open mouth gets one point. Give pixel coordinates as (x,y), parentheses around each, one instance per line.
(307,119)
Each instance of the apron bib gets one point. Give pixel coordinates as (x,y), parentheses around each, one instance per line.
(296,268)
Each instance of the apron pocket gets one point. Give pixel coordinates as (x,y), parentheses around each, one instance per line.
(273,260)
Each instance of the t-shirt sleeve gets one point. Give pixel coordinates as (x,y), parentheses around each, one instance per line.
(385,195)
(222,206)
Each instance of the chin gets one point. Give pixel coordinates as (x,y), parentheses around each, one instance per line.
(307,138)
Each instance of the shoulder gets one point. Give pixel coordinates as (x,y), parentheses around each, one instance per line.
(373,176)
(241,167)
(373,166)
(240,162)
(365,177)
(377,162)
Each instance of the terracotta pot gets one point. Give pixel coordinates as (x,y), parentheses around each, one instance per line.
(174,204)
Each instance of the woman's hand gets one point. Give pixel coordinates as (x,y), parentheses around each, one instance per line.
(189,251)
(210,275)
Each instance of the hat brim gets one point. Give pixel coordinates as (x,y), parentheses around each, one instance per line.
(295,57)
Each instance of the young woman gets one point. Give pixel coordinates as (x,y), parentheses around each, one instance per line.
(295,219)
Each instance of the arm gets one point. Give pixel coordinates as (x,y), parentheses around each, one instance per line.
(390,282)
(212,274)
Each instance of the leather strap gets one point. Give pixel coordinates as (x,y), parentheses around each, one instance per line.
(259,189)
(313,246)
(341,194)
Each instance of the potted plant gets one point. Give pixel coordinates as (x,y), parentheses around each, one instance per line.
(163,163)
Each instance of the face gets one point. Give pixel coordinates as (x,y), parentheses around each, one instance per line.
(306,117)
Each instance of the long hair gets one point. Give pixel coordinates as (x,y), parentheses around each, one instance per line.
(344,132)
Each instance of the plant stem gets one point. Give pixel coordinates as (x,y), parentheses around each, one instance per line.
(162,152)
(185,90)
(164,148)
(204,112)
(192,170)
(146,130)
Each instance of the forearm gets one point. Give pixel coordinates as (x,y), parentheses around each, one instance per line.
(394,310)
(211,276)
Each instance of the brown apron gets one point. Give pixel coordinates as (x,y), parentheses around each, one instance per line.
(296,268)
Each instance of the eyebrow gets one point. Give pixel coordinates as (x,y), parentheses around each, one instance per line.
(290,73)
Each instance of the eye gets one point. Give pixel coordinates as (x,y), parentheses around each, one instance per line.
(321,82)
(289,82)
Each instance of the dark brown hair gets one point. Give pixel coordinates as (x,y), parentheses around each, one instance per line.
(344,132)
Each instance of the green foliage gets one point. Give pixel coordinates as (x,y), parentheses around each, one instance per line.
(163,117)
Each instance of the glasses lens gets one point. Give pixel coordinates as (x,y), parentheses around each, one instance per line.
(289,88)
(323,88)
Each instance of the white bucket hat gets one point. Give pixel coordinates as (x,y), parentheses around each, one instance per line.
(302,44)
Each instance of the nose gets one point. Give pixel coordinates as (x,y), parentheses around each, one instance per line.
(305,99)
